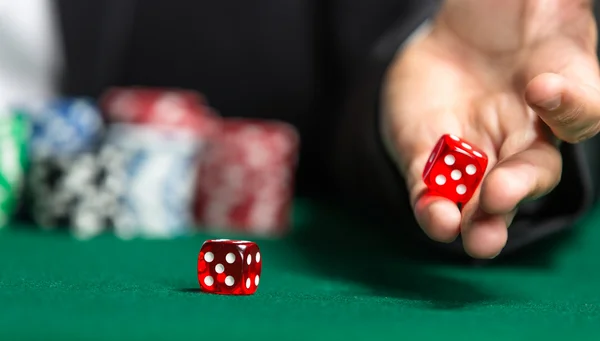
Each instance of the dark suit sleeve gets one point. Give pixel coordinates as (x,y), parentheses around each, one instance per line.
(367,177)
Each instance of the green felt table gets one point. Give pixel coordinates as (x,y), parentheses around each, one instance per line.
(329,280)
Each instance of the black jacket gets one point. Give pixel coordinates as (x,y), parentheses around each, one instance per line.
(316,64)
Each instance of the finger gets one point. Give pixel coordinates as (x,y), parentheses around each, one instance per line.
(525,175)
(438,217)
(410,146)
(570,109)
(484,235)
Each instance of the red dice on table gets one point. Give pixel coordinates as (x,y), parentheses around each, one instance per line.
(229,267)
(455,168)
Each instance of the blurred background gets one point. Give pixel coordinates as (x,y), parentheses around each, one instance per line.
(140,119)
(106,126)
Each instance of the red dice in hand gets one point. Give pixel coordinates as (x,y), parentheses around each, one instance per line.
(229,267)
(455,168)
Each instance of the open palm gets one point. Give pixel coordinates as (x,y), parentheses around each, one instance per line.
(507,76)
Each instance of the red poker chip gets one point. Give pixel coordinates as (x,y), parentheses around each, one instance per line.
(256,144)
(167,108)
(115,95)
(247,176)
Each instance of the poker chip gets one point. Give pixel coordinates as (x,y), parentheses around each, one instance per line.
(128,101)
(182,110)
(64,127)
(75,192)
(246,179)
(161,171)
(14,136)
(163,163)
(135,137)
(136,175)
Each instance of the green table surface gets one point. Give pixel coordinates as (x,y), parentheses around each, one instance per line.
(329,280)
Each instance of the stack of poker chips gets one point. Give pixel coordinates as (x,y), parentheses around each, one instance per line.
(161,135)
(15,130)
(248,178)
(68,184)
(157,163)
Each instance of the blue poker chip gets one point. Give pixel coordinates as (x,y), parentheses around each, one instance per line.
(65,127)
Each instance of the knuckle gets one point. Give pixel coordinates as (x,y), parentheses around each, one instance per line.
(569,117)
(571,126)
(586,133)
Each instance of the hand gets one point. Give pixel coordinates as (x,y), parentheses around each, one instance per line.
(504,75)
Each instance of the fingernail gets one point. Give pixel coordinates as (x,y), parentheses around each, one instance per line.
(551,104)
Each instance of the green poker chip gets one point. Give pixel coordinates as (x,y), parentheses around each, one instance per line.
(14,137)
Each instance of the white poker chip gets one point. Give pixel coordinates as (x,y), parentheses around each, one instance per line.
(131,136)
(68,190)
(86,223)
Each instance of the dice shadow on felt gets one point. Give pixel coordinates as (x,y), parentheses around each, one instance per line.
(188,290)
(347,248)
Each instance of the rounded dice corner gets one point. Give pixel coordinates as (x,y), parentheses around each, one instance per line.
(437,149)
(450,137)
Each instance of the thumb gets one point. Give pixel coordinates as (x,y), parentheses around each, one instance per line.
(570,107)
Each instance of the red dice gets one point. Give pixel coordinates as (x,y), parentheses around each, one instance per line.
(455,168)
(229,267)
